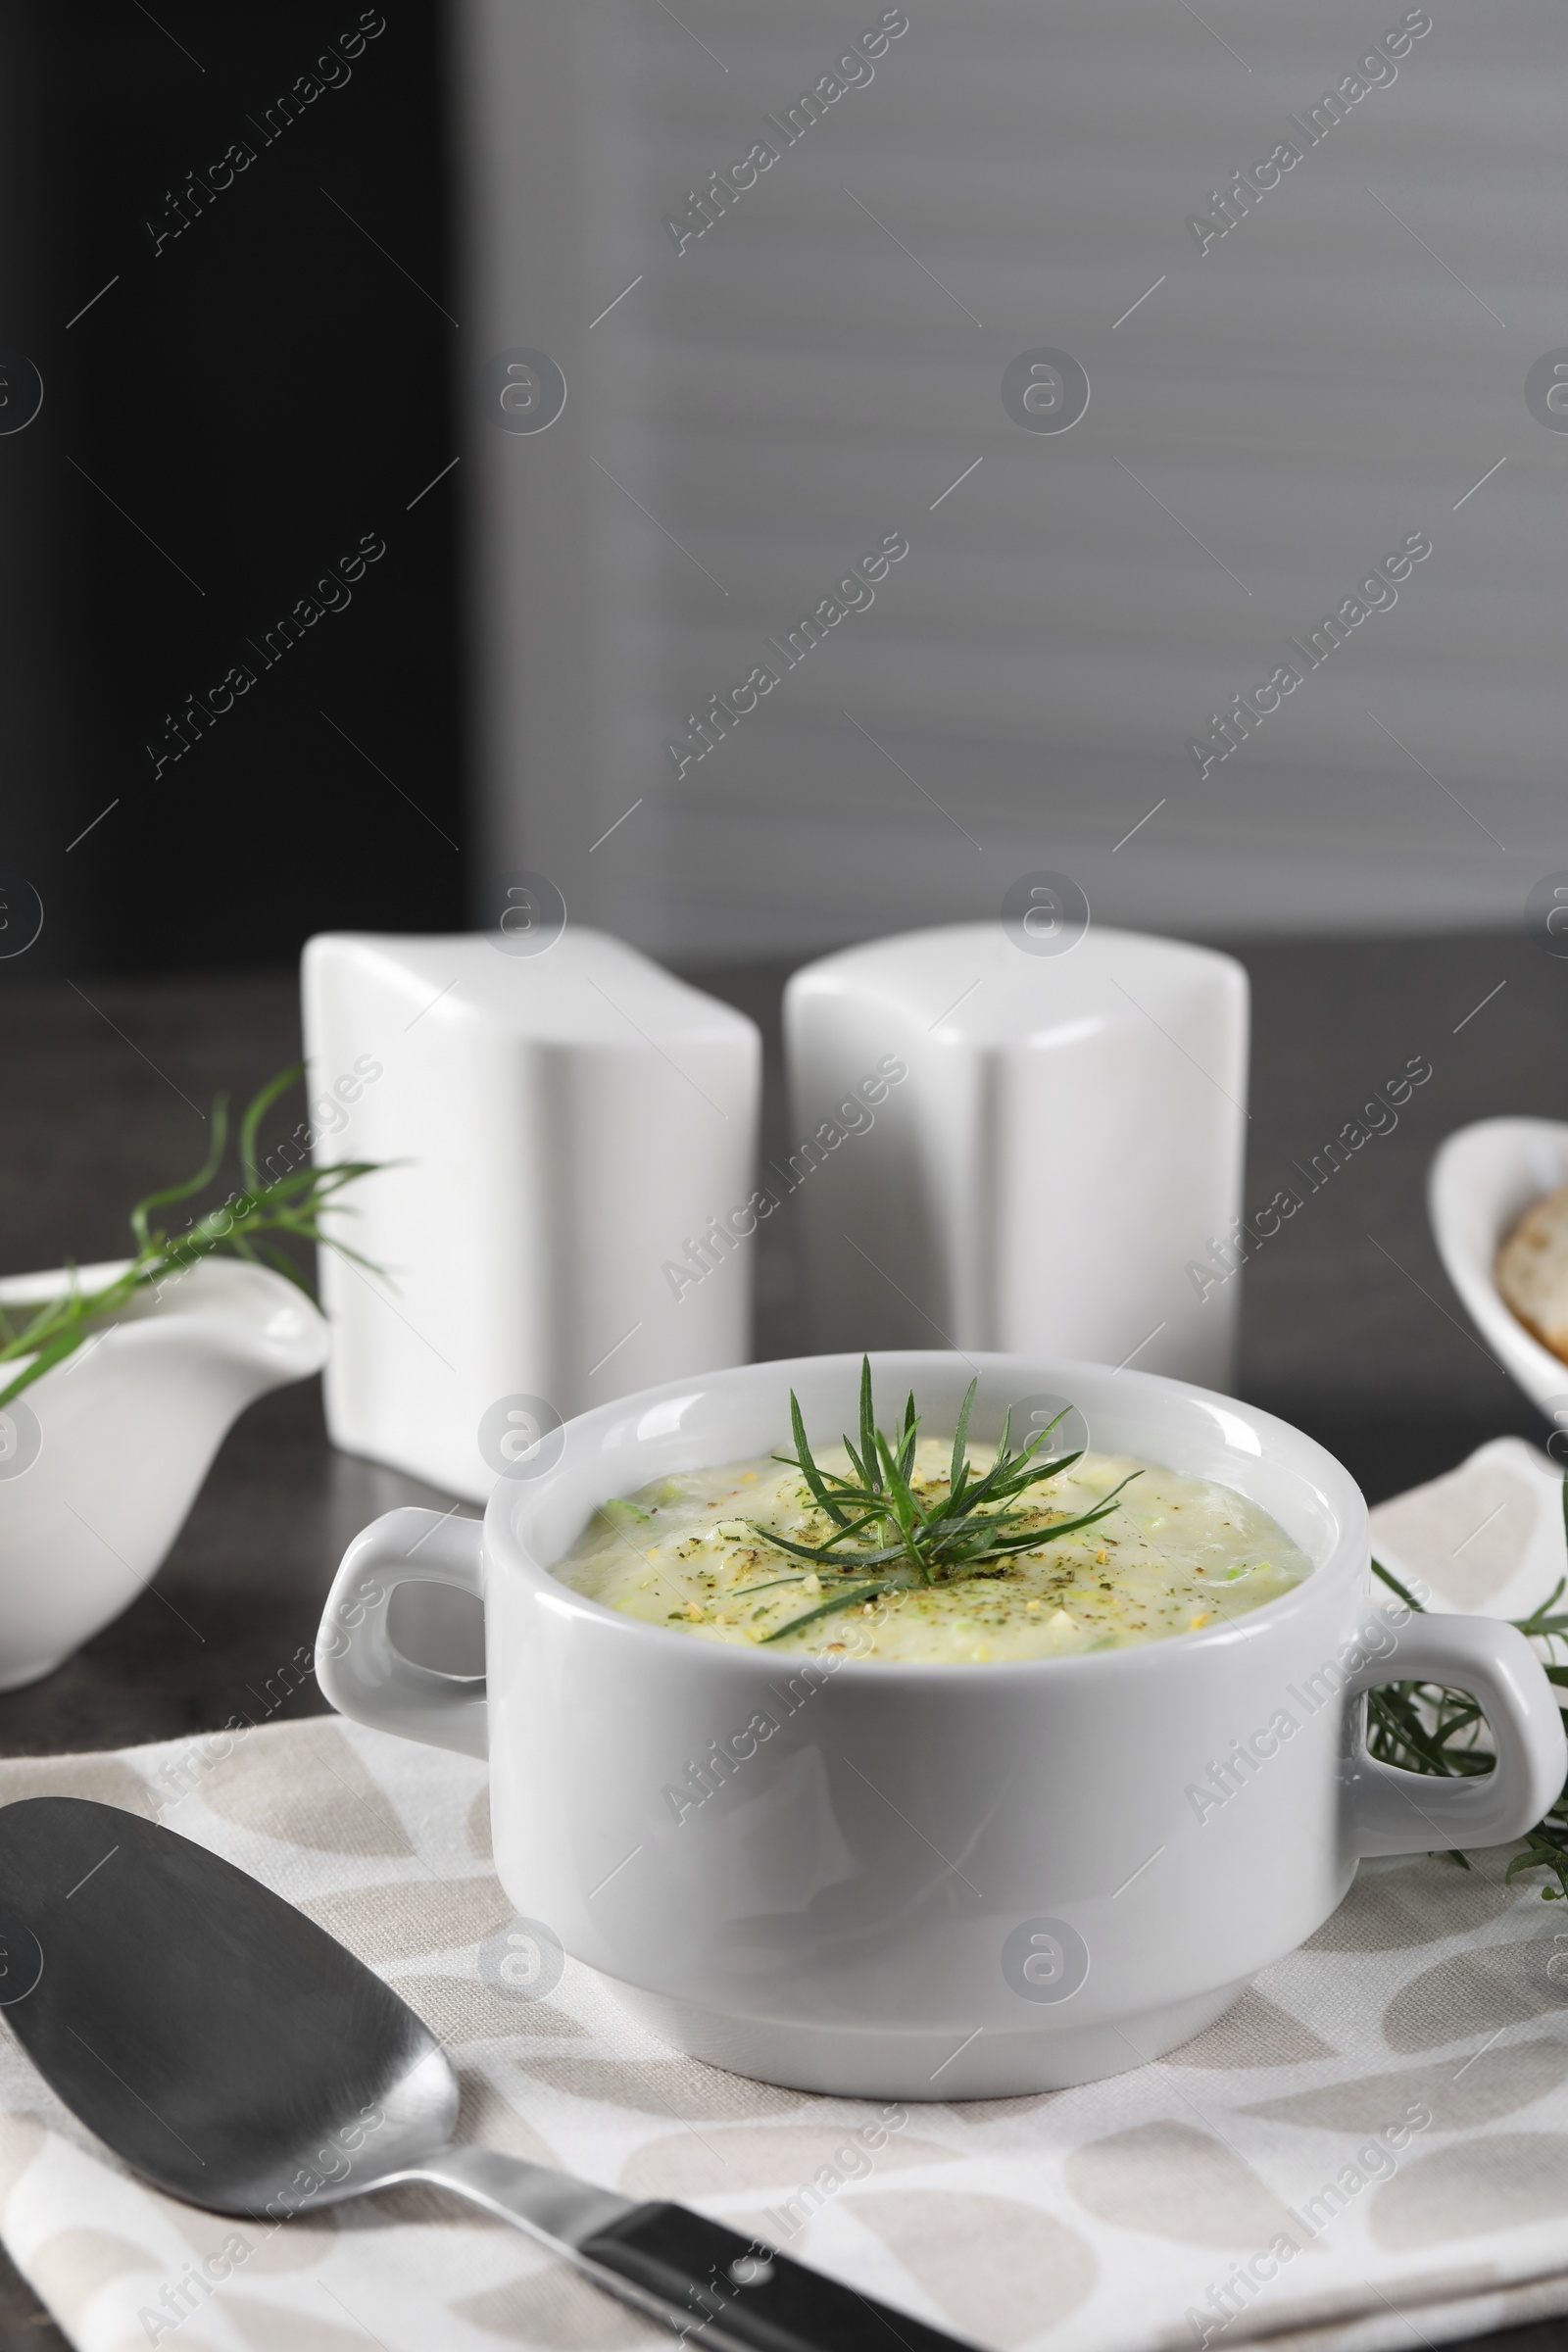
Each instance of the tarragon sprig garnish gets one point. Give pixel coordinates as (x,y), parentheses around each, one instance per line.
(885,1539)
(261,1207)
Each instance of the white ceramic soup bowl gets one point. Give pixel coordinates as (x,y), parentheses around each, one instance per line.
(931,1881)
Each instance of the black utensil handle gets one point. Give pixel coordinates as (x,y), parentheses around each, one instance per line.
(725,2290)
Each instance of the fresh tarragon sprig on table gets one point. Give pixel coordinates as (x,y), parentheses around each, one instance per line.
(887,1540)
(1425,1726)
(261,1206)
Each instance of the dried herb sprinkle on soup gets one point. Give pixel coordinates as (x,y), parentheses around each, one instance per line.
(915,1548)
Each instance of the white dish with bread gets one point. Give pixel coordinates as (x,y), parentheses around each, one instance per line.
(1497,1196)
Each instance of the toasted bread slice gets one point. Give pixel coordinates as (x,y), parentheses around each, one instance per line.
(1532,1271)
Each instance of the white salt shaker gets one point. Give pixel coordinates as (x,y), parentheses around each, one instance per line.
(566,1124)
(1023,1136)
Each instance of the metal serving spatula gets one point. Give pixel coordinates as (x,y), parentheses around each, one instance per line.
(228,2048)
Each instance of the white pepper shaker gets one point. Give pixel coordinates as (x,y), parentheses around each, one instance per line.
(1057,1161)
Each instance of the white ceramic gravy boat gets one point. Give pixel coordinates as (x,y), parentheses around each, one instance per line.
(102,1457)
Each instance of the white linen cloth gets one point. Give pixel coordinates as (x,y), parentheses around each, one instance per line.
(1099,2219)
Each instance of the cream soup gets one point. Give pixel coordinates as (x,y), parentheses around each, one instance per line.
(1176,1554)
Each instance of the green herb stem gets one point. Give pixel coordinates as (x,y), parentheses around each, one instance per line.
(248,1225)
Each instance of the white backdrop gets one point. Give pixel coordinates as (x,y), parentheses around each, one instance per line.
(768,403)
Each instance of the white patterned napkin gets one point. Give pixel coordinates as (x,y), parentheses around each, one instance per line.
(1370,2150)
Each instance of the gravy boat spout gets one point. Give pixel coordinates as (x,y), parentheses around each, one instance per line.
(102,1457)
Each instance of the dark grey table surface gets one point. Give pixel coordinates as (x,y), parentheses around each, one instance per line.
(1349,1328)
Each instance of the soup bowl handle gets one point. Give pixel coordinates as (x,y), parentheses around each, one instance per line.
(1396,1812)
(358,1666)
